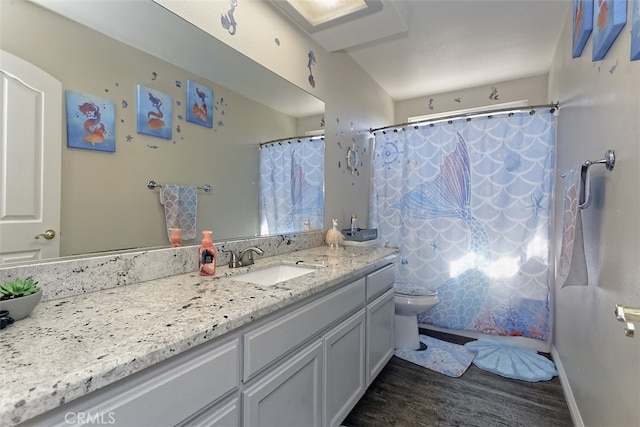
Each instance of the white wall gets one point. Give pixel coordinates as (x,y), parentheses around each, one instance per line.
(600,109)
(531,89)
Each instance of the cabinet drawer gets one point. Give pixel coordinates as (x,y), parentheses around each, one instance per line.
(163,395)
(223,415)
(264,345)
(380,281)
(189,388)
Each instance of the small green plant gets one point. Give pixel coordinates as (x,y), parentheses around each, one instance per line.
(18,288)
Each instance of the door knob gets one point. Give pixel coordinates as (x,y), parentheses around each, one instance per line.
(49,234)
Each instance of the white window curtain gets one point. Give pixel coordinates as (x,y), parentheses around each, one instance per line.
(292,185)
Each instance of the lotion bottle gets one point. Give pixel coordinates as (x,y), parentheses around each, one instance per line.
(208,255)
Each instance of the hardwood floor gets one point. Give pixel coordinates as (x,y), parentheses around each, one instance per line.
(409,395)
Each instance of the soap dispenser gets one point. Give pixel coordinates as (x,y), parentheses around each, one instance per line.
(208,255)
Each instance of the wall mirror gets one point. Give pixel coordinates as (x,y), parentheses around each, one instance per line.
(106,49)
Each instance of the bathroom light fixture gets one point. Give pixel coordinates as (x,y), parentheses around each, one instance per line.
(316,15)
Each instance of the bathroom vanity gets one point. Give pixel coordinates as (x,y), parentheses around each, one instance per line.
(200,351)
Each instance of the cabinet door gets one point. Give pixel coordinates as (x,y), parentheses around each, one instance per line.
(380,338)
(344,361)
(291,395)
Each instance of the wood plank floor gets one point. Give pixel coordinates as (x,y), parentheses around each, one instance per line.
(409,395)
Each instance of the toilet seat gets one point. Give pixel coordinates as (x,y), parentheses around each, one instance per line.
(412,290)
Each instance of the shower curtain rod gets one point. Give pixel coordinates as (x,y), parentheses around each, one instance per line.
(309,137)
(531,109)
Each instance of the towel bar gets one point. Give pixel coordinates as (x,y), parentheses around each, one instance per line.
(152,184)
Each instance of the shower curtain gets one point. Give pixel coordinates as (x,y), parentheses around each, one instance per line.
(292,185)
(469,204)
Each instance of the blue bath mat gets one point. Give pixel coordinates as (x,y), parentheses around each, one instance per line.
(512,362)
(447,358)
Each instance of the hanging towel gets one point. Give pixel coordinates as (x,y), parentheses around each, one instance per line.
(572,266)
(180,206)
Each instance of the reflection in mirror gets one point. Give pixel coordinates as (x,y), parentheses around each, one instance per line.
(105,202)
(292,185)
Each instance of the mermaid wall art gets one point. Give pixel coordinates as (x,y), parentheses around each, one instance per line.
(90,122)
(199,104)
(155,111)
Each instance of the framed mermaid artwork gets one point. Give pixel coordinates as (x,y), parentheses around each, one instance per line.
(199,104)
(635,31)
(155,112)
(582,25)
(90,122)
(609,16)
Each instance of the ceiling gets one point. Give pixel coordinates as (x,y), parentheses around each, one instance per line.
(414,48)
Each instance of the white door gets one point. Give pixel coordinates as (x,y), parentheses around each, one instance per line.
(30,156)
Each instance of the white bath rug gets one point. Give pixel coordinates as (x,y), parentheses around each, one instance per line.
(512,362)
(441,356)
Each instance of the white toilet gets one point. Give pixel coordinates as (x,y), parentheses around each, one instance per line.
(410,300)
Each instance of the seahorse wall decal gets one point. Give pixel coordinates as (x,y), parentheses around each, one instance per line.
(95,130)
(228,21)
(448,195)
(155,118)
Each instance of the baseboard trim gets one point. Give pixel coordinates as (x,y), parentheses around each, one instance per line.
(566,388)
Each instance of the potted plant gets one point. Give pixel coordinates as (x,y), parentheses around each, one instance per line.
(19,297)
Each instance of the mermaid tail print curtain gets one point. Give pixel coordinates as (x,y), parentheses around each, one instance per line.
(469,203)
(291,185)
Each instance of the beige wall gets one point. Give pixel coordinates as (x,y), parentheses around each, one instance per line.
(105,202)
(600,110)
(530,89)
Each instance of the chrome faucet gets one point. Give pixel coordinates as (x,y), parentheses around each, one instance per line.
(244,258)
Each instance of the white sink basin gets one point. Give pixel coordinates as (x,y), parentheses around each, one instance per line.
(273,275)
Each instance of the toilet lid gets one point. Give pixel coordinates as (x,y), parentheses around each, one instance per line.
(404,288)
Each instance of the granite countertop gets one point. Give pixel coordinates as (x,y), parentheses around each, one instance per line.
(71,346)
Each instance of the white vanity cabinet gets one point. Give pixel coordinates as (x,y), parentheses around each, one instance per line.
(294,391)
(306,365)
